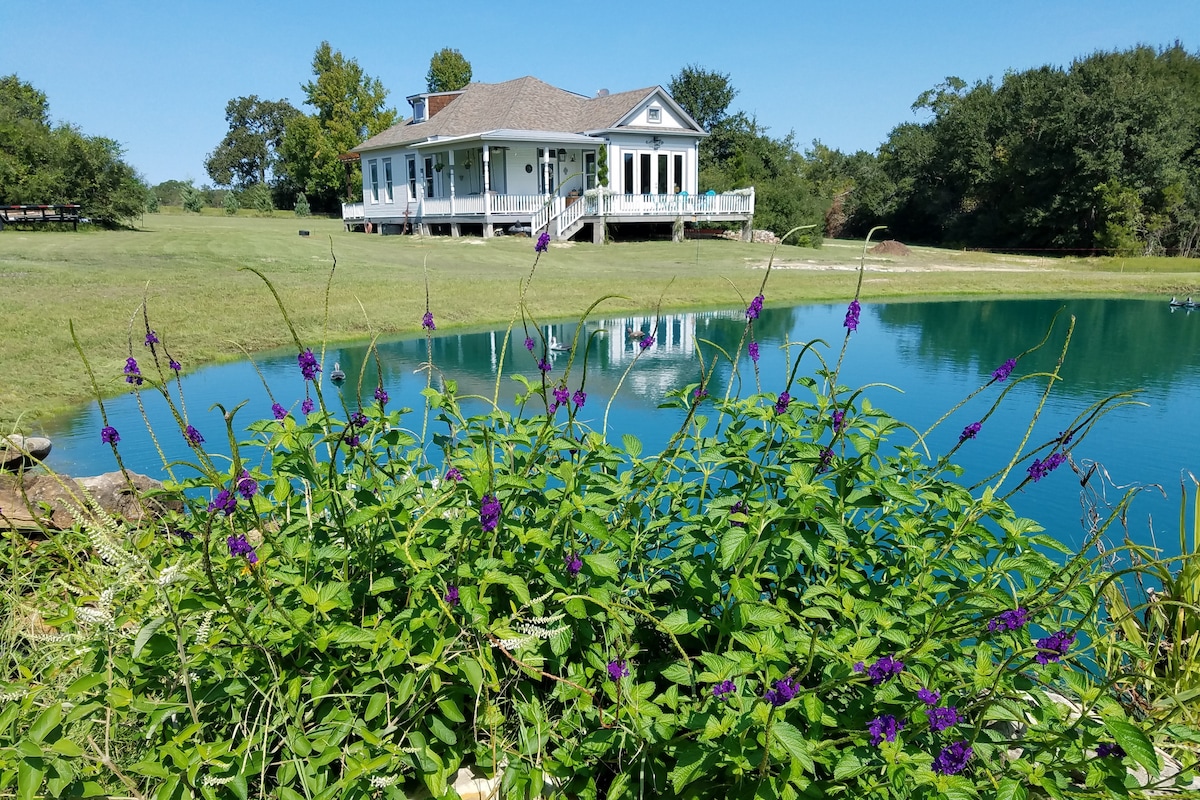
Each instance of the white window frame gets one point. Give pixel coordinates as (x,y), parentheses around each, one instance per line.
(654,115)
(387,180)
(373,167)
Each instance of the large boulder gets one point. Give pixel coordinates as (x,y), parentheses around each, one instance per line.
(19,452)
(32,502)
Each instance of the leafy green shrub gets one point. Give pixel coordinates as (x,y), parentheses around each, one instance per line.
(191,198)
(785,602)
(302,209)
(231,204)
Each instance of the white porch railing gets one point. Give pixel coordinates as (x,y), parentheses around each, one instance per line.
(352,211)
(517,203)
(546,212)
(569,216)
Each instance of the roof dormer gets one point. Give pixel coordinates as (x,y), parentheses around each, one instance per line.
(427,104)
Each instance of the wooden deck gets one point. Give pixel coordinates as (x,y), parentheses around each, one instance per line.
(37,214)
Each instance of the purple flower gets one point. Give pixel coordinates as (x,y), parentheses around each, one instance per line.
(175,365)
(942,718)
(381,395)
(561,396)
(427,321)
(308,365)
(781,405)
(953,758)
(1040,469)
(699,393)
(247,487)
(1106,749)
(352,440)
(132,373)
(1053,647)
(860,666)
(238,546)
(307,406)
(753,349)
(826,460)
(1065,437)
(579,398)
(279,411)
(646,342)
(544,364)
(928,697)
(193,436)
(852,316)
(224,502)
(453,474)
(357,420)
(489,513)
(451,596)
(839,419)
(109,435)
(884,670)
(969,432)
(151,338)
(617,670)
(573,564)
(1004,370)
(723,688)
(1011,620)
(738,508)
(529,343)
(543,243)
(784,690)
(884,727)
(755,307)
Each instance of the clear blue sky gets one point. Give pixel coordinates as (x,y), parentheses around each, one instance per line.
(155,76)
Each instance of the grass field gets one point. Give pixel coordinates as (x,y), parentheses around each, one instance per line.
(204,306)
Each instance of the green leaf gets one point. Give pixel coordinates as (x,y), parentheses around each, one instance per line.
(688,763)
(47,721)
(683,620)
(734,544)
(1135,744)
(85,684)
(593,525)
(678,673)
(602,565)
(375,706)
(352,636)
(848,766)
(439,729)
(30,773)
(1011,789)
(794,743)
(148,630)
(65,747)
(381,585)
(633,445)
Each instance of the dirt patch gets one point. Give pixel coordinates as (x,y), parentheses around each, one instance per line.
(891,247)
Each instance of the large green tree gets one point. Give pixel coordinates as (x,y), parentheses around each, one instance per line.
(449,71)
(350,107)
(41,163)
(249,150)
(705,94)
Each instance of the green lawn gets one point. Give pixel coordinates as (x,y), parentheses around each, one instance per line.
(204,307)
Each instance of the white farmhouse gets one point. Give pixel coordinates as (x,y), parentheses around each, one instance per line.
(525,156)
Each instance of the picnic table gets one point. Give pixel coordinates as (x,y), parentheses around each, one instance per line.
(22,214)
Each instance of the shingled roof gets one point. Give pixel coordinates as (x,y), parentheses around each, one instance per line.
(524,104)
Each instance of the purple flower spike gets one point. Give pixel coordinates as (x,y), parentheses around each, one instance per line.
(928,697)
(618,670)
(279,411)
(826,460)
(225,503)
(942,718)
(739,507)
(543,243)
(574,564)
(781,405)
(884,727)
(1053,647)
(529,343)
(646,342)
(489,513)
(839,419)
(561,395)
(109,435)
(544,364)
(579,398)
(1040,469)
(753,349)
(884,670)
(784,690)
(451,596)
(852,315)
(238,546)
(755,307)
(1011,620)
(151,338)
(953,758)
(969,432)
(193,436)
(307,406)
(308,365)
(381,395)
(1106,749)
(247,487)
(723,689)
(453,474)
(1004,370)
(174,365)
(132,373)
(427,321)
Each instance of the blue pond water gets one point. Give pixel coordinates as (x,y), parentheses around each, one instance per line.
(933,353)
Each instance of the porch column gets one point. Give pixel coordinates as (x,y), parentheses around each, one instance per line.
(450,166)
(487,192)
